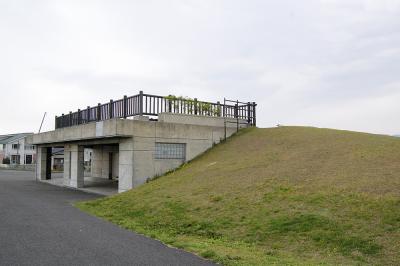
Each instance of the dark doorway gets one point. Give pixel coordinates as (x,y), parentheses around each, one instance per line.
(48,163)
(28,159)
(110,165)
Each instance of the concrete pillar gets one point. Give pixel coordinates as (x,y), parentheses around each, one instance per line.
(67,165)
(74,176)
(43,164)
(144,167)
(125,165)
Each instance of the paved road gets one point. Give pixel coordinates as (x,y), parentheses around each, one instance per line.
(39,226)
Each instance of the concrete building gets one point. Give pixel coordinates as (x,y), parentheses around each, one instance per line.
(15,148)
(131,150)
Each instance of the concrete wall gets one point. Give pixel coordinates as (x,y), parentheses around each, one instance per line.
(137,162)
(96,161)
(26,167)
(100,161)
(200,120)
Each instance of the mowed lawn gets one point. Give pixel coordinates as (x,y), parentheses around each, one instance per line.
(287,195)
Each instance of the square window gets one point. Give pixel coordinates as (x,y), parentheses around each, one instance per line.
(28,159)
(15,159)
(170,151)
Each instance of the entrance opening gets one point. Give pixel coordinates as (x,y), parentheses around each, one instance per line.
(100,168)
(56,164)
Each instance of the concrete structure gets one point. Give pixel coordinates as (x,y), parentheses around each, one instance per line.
(130,150)
(15,148)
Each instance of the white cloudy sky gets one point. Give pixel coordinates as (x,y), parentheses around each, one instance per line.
(325,63)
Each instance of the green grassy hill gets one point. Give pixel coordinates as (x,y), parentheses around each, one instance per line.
(288,195)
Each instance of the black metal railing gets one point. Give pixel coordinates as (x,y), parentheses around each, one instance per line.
(152,105)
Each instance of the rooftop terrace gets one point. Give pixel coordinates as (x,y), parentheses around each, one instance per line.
(153,105)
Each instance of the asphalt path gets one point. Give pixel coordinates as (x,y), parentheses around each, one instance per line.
(40,226)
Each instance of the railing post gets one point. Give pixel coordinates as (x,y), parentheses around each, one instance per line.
(110,109)
(62,120)
(98,111)
(237,115)
(141,103)
(195,106)
(125,101)
(224,113)
(235,111)
(219,108)
(55,122)
(169,106)
(249,113)
(88,114)
(79,116)
(70,119)
(254,114)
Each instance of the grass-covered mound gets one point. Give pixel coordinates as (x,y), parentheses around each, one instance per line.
(288,195)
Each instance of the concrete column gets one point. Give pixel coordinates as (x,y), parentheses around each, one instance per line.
(43,164)
(143,154)
(67,164)
(76,166)
(125,165)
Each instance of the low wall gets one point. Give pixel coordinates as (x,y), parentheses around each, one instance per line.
(200,120)
(27,167)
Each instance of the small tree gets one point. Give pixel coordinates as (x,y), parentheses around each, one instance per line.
(6,160)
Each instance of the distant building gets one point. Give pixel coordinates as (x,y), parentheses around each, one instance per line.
(15,148)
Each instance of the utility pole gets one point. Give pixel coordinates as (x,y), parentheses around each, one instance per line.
(40,128)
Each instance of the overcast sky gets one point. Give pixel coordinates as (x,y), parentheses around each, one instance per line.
(323,63)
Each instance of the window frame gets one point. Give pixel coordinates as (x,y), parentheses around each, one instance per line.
(15,159)
(177,151)
(26,160)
